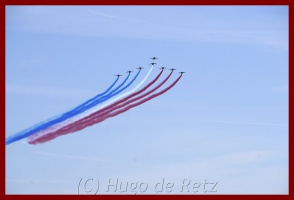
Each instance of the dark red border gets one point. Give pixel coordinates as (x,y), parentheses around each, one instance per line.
(132,2)
(147,2)
(2,21)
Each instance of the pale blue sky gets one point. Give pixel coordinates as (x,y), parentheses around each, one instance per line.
(226,120)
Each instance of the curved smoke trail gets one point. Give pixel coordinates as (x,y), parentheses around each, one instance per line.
(90,111)
(47,124)
(118,97)
(55,117)
(95,97)
(120,104)
(49,131)
(95,120)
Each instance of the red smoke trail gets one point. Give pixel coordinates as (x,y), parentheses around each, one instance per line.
(81,124)
(116,105)
(73,127)
(106,109)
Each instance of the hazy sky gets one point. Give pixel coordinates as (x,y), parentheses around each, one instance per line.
(225,123)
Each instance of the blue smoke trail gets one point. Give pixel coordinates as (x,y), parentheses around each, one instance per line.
(111,94)
(89,103)
(90,111)
(41,126)
(74,109)
(94,98)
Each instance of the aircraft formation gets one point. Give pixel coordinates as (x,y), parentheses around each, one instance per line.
(152,64)
(107,104)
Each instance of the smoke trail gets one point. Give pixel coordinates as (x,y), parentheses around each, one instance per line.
(52,118)
(125,101)
(95,120)
(115,99)
(96,97)
(117,92)
(122,103)
(80,109)
(90,111)
(116,105)
(40,134)
(144,100)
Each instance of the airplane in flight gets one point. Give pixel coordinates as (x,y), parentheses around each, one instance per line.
(162,68)
(140,68)
(118,75)
(181,72)
(153,58)
(129,72)
(152,64)
(172,69)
